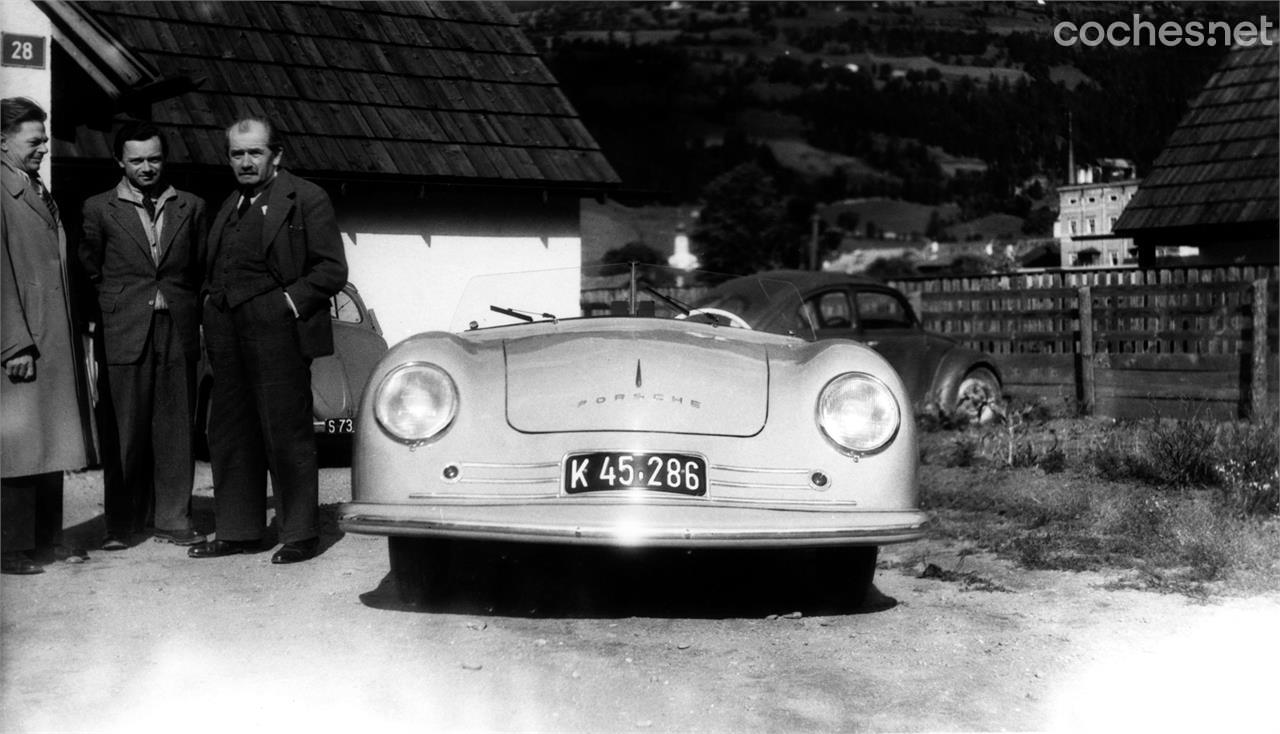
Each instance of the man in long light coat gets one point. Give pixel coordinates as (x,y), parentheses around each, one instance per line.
(44,406)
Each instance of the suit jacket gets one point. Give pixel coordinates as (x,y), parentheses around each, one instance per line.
(116,255)
(304,253)
(45,425)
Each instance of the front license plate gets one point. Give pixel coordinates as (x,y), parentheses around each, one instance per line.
(339,426)
(606,470)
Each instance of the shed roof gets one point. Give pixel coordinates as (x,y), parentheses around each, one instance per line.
(424,90)
(1220,165)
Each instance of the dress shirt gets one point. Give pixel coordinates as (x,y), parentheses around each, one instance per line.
(152,226)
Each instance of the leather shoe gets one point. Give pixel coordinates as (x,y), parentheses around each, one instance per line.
(218,548)
(68,554)
(186,536)
(19,564)
(297,551)
(113,543)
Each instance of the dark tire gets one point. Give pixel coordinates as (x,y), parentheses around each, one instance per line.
(850,573)
(978,395)
(417,568)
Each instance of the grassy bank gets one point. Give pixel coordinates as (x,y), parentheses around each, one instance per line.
(1189,506)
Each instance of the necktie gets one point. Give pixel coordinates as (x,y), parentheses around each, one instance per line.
(149,205)
(45,196)
(244,206)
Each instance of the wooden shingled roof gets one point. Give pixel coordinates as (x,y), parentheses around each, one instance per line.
(1221,166)
(416,90)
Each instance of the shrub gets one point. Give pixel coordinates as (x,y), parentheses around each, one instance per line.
(960,451)
(1175,453)
(1248,467)
(933,418)
(1053,461)
(1015,446)
(1115,459)
(1181,451)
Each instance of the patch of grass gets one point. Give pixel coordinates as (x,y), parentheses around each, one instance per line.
(1010,439)
(1248,467)
(1112,507)
(1241,460)
(1115,456)
(1181,451)
(960,451)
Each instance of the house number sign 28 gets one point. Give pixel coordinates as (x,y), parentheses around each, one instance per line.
(20,50)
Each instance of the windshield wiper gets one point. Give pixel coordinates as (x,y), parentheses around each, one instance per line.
(684,309)
(523,315)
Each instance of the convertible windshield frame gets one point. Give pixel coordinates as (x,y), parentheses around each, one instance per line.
(630,290)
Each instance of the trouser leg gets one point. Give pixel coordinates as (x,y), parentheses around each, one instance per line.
(131,406)
(17,514)
(48,510)
(117,499)
(173,382)
(281,376)
(236,452)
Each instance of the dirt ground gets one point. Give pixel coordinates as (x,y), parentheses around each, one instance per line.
(148,638)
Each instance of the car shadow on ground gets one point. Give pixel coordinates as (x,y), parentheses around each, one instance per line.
(581,582)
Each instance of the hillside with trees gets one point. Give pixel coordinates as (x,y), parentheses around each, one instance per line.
(962,107)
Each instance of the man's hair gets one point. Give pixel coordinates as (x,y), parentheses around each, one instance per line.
(16,110)
(274,140)
(138,130)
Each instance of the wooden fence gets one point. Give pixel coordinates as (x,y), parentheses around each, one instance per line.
(1120,342)
(1123,343)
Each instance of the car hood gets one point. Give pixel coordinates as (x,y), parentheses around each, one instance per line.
(660,380)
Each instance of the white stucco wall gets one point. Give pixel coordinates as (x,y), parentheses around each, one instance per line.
(414,281)
(23,17)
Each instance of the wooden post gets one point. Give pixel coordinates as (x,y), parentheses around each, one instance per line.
(1084,301)
(1259,386)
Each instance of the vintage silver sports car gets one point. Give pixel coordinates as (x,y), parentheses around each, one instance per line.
(652,425)
(939,373)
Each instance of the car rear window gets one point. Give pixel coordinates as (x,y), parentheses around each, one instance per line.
(878,310)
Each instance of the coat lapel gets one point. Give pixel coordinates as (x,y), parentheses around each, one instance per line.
(215,231)
(20,187)
(175,213)
(126,216)
(279,202)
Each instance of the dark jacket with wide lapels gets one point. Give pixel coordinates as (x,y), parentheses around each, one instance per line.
(303,249)
(116,255)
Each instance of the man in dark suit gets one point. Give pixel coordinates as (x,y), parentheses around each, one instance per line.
(143,249)
(275,259)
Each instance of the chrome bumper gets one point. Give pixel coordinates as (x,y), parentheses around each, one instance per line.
(680,524)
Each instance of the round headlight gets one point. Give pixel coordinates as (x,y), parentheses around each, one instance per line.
(415,402)
(858,413)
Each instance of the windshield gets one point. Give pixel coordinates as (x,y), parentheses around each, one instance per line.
(631,291)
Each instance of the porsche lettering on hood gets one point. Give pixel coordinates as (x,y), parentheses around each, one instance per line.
(616,382)
(660,397)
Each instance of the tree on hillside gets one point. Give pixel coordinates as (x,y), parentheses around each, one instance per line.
(634,252)
(744,225)
(885,269)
